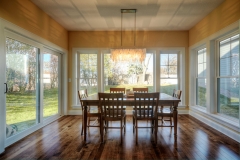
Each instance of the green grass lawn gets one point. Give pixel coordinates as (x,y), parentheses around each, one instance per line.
(22,107)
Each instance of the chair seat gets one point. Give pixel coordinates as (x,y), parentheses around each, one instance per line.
(150,107)
(144,113)
(165,110)
(115,112)
(93,109)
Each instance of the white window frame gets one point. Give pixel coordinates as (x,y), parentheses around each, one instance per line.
(228,126)
(218,77)
(197,77)
(178,69)
(156,68)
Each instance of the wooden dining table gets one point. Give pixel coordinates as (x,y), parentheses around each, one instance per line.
(164,100)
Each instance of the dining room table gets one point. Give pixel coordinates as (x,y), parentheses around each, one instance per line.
(164,100)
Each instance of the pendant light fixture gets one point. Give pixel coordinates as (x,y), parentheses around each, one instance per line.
(130,54)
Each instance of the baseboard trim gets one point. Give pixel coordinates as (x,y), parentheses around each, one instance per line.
(75,112)
(226,130)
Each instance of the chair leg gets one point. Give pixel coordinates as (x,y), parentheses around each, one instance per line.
(125,124)
(82,130)
(101,129)
(152,126)
(133,124)
(136,131)
(121,131)
(105,126)
(88,122)
(171,121)
(156,129)
(82,125)
(100,124)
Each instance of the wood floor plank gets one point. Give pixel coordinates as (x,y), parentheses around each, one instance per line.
(62,140)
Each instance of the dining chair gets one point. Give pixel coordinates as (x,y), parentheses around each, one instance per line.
(145,108)
(92,111)
(168,112)
(112,109)
(140,90)
(117,90)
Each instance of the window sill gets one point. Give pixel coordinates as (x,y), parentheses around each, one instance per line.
(224,120)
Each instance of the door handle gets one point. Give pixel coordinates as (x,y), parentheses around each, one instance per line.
(6,88)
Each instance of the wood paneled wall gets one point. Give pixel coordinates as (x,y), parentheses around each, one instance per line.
(27,15)
(225,14)
(111,39)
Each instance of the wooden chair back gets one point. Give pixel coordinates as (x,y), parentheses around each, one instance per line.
(117,90)
(145,108)
(145,105)
(91,112)
(111,105)
(82,94)
(177,93)
(140,90)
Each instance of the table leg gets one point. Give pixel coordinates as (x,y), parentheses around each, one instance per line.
(85,123)
(175,120)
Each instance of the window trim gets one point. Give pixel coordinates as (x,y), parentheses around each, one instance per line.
(197,77)
(156,53)
(218,77)
(210,116)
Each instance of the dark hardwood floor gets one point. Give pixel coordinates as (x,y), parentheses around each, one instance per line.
(62,140)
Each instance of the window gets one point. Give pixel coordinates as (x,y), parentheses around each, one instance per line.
(228,76)
(87,72)
(51,83)
(128,74)
(201,89)
(95,71)
(168,72)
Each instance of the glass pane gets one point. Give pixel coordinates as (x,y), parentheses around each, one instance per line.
(200,57)
(201,92)
(50,85)
(88,73)
(172,59)
(235,65)
(204,69)
(201,62)
(128,74)
(167,85)
(172,71)
(200,70)
(225,67)
(163,59)
(21,77)
(205,55)
(164,71)
(228,96)
(225,50)
(168,65)
(235,47)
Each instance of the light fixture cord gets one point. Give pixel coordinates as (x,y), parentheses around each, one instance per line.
(121,27)
(135,30)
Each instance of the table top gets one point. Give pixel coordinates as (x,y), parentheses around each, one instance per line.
(162,97)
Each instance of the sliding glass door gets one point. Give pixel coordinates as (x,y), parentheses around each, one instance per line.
(51,81)
(22,98)
(33,77)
